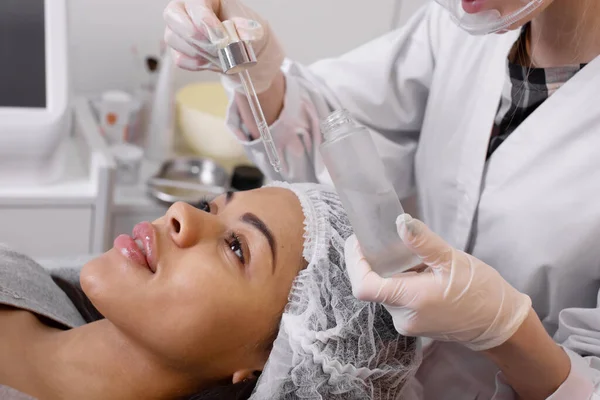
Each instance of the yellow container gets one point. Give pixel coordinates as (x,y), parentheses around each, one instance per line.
(201,109)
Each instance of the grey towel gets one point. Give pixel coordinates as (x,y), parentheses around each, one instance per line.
(53,294)
(7,393)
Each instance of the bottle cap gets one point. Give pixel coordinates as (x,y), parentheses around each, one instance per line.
(246,177)
(237,55)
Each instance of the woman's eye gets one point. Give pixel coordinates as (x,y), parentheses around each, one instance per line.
(236,247)
(204,206)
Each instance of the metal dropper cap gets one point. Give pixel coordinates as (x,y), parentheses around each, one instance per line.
(237,55)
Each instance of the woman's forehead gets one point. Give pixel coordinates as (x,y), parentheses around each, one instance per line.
(265,196)
(279,208)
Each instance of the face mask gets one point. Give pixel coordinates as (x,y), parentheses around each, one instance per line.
(487,21)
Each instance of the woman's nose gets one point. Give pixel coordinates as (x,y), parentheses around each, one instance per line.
(184,225)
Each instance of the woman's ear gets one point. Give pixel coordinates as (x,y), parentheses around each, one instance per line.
(259,363)
(242,375)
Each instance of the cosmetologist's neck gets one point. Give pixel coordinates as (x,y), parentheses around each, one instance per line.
(566,33)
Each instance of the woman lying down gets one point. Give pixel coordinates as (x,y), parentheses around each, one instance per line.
(198,303)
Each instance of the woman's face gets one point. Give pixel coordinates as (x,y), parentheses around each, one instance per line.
(210,285)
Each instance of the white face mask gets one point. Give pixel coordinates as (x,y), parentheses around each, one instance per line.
(489,20)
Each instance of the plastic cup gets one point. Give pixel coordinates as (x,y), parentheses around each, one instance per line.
(129,160)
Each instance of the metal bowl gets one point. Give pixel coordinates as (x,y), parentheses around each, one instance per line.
(188,179)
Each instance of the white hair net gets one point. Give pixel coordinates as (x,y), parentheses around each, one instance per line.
(331,345)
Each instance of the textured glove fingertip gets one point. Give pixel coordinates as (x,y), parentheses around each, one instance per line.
(400,324)
(403,223)
(352,248)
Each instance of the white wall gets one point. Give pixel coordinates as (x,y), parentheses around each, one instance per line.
(103,32)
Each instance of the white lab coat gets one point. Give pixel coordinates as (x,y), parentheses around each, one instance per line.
(429,93)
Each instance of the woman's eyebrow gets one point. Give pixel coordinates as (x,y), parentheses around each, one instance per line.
(257,223)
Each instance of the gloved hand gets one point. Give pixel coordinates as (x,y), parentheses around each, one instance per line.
(194,31)
(453,296)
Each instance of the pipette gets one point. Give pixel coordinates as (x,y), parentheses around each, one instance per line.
(237,57)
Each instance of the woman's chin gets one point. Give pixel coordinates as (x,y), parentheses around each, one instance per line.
(115,284)
(93,276)
(106,274)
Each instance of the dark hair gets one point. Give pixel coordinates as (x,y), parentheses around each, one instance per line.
(242,390)
(238,391)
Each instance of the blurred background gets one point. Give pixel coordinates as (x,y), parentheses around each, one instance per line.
(99,130)
(102,33)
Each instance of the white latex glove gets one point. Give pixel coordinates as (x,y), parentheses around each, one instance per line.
(194,31)
(453,296)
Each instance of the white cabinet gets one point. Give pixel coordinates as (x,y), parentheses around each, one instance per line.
(68,217)
(47,231)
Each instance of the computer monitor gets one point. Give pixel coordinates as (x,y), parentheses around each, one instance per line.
(34,89)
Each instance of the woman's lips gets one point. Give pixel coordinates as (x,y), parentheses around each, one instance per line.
(127,246)
(145,233)
(140,247)
(473,6)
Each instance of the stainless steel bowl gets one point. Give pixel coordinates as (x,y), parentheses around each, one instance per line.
(188,179)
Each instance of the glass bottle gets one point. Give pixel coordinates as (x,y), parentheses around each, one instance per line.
(358,174)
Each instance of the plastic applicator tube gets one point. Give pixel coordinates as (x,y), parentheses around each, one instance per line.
(237,57)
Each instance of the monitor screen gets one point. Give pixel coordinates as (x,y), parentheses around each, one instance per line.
(22,54)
